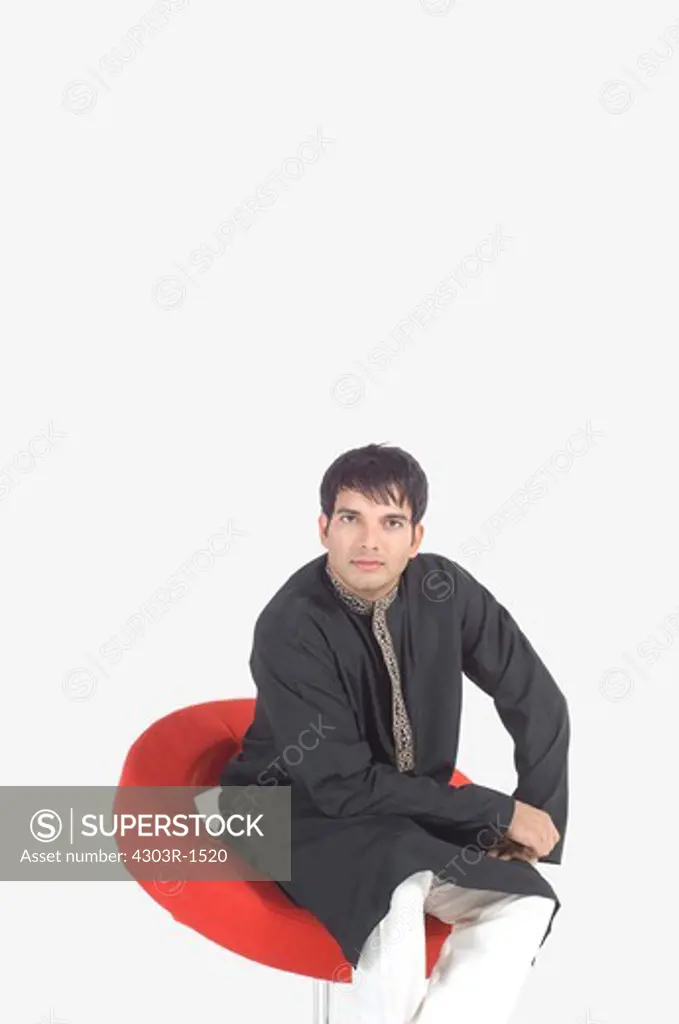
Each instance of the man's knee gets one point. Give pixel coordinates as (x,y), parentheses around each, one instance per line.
(413,890)
(533,911)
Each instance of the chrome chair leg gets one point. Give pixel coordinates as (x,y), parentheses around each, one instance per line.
(321,1002)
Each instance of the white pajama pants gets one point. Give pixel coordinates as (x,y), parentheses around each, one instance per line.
(481,969)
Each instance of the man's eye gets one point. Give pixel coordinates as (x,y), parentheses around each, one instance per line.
(349,516)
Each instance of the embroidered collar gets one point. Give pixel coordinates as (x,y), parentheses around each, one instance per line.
(356,603)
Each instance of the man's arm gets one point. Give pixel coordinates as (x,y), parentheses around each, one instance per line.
(499,659)
(308,710)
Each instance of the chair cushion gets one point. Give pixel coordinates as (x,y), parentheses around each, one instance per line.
(255,919)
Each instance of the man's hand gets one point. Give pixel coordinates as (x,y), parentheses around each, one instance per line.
(507,849)
(531,835)
(533,830)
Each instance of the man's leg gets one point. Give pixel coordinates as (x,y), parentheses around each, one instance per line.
(389,981)
(485,960)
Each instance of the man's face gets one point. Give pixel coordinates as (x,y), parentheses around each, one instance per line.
(360,532)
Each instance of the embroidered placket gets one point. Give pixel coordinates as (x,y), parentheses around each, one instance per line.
(403,735)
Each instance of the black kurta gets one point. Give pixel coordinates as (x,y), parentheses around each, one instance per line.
(322,725)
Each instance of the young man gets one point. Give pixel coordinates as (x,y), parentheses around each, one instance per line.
(358,662)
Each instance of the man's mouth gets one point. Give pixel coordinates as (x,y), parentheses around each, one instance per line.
(367,564)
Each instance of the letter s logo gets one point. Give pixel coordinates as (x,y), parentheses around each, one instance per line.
(45,825)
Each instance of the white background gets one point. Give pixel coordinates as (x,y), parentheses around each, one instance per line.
(182,411)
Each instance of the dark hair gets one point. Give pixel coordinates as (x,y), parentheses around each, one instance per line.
(380,473)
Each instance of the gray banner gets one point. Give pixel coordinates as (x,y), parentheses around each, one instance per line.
(110,833)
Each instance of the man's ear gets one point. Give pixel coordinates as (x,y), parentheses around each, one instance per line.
(418,534)
(323,522)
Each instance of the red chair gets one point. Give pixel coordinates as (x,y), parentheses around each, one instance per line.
(190,747)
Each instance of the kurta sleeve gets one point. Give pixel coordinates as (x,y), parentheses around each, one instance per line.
(323,750)
(498,658)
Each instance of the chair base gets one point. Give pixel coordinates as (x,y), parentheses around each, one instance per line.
(321,1004)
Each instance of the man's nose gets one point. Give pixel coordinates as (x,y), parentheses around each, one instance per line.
(370,538)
